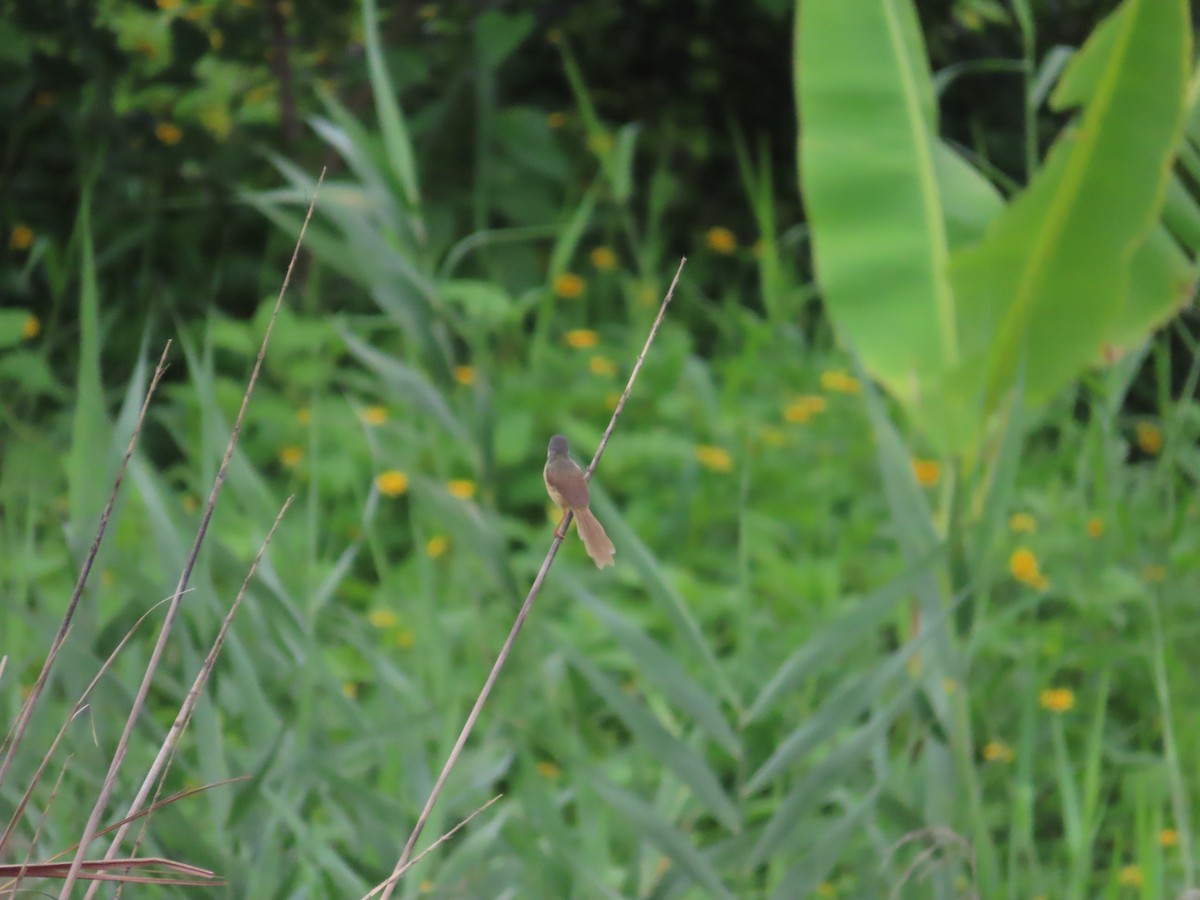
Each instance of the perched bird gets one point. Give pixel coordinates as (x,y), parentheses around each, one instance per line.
(569,490)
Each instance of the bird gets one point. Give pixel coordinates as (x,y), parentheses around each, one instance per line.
(569,490)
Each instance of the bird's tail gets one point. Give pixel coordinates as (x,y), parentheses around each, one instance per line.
(595,541)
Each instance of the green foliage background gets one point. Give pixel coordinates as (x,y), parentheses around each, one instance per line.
(743,707)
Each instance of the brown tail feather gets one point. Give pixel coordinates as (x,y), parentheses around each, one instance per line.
(595,541)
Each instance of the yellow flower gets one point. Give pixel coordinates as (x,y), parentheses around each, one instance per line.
(1149,437)
(437,546)
(45,99)
(839,382)
(998,751)
(611,399)
(602,365)
(647,294)
(604,259)
(927,471)
(464,374)
(375,415)
(21,237)
(304,415)
(428,11)
(772,437)
(195,13)
(290,457)
(549,769)
(1154,574)
(349,690)
(1022,523)
(404,638)
(107,578)
(391,483)
(568,285)
(216,40)
(1169,837)
(169,133)
(1024,567)
(31,328)
(1058,700)
(554,36)
(715,459)
(582,338)
(600,142)
(383,618)
(556,120)
(1095,527)
(1130,876)
(168,5)
(825,891)
(190,503)
(462,488)
(286,9)
(425,886)
(949,685)
(722,240)
(804,408)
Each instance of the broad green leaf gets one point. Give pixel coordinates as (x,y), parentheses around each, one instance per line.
(482,302)
(1161,282)
(1045,286)
(12,326)
(498,34)
(871,191)
(969,200)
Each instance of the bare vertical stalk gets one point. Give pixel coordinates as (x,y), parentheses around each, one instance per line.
(526,607)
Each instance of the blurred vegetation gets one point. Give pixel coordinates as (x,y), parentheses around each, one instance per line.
(745,706)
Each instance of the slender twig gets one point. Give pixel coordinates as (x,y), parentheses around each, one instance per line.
(157,770)
(392,879)
(527,606)
(139,701)
(17,732)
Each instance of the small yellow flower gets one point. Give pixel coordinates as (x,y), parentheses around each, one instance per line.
(107,578)
(425,886)
(1095,527)
(1149,437)
(839,382)
(428,11)
(715,459)
(611,399)
(804,408)
(647,294)
(554,36)
(1024,567)
(391,483)
(772,436)
(190,503)
(1058,700)
(462,488)
(31,327)
(1130,876)
(568,286)
(600,142)
(464,374)
(195,13)
(375,415)
(45,99)
(582,338)
(290,457)
(602,365)
(949,685)
(383,618)
(549,769)
(286,8)
(21,237)
(998,751)
(169,133)
(216,39)
(350,690)
(1154,574)
(1168,837)
(304,415)
(169,5)
(604,259)
(1022,523)
(927,472)
(437,546)
(825,891)
(405,639)
(722,240)
(556,120)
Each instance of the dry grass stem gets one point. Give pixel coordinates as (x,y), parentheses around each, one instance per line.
(527,606)
(106,789)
